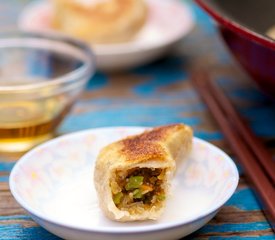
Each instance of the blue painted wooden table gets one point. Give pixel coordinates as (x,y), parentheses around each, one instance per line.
(156,94)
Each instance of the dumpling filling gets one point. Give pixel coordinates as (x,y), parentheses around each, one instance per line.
(140,189)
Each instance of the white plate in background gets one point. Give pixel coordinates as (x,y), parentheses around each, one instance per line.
(168,22)
(54,183)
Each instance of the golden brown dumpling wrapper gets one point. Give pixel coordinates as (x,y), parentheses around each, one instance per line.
(133,176)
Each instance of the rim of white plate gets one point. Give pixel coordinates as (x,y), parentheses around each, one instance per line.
(135,229)
(187,23)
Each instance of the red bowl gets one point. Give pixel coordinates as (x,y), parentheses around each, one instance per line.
(243,25)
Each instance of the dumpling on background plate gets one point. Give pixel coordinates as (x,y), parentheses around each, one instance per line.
(99,21)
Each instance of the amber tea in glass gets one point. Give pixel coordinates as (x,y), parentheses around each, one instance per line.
(25,123)
(40,79)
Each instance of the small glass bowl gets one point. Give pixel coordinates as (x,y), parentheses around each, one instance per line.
(41,76)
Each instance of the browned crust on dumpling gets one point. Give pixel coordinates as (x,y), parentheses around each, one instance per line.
(146,146)
(135,150)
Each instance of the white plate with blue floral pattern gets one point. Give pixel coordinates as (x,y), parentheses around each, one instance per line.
(54,183)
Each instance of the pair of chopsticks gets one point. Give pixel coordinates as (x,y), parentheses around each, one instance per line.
(251,153)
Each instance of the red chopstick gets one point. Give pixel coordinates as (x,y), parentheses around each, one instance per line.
(255,146)
(237,136)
